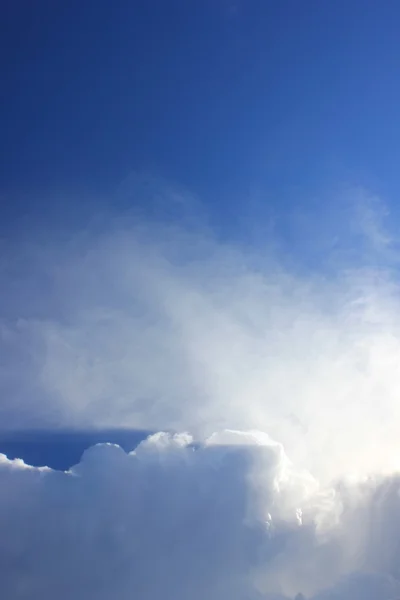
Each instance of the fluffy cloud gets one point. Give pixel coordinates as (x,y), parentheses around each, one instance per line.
(158,327)
(230,519)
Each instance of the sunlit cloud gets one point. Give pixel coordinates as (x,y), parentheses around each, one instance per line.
(143,324)
(282,371)
(230,519)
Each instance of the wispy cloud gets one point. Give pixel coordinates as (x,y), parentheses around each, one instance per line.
(158,326)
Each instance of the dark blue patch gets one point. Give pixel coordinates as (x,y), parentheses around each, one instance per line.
(62,449)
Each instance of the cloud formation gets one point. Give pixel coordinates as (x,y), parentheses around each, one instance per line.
(230,519)
(139,323)
(153,325)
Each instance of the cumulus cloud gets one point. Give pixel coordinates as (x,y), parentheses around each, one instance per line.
(161,326)
(229,519)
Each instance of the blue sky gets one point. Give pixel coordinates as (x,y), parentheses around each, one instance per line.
(199,307)
(227,98)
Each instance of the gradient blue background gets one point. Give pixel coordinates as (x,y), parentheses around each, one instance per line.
(239,101)
(222,96)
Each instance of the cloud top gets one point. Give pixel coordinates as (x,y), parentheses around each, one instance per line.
(229,519)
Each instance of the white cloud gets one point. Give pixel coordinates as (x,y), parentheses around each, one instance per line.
(173,521)
(163,327)
(151,326)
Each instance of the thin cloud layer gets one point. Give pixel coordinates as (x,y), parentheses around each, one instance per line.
(136,323)
(230,519)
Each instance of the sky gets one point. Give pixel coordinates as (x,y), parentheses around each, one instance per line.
(199,307)
(230,99)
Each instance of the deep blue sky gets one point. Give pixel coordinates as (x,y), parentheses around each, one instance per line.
(223,96)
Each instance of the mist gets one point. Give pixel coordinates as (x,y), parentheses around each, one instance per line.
(129,320)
